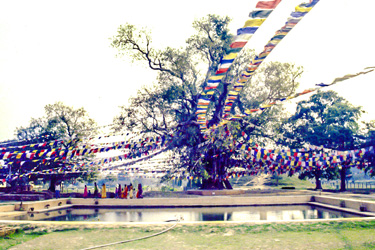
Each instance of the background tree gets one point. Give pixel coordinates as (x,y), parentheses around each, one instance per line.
(170,104)
(60,122)
(110,178)
(368,142)
(328,120)
(61,128)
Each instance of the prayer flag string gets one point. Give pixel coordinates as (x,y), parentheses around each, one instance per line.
(295,17)
(258,16)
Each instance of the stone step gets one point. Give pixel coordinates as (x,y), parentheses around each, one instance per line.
(344,209)
(51,209)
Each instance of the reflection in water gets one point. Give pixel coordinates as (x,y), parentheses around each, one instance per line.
(320,214)
(251,213)
(213,217)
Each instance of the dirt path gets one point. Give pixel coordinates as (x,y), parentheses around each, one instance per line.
(258,182)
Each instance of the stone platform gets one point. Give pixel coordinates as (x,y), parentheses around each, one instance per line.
(210,192)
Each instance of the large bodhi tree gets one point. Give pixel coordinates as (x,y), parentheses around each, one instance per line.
(64,124)
(328,120)
(169,105)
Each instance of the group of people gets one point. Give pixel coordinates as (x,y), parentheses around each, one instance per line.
(128,191)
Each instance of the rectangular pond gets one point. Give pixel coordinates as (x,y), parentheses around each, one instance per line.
(240,213)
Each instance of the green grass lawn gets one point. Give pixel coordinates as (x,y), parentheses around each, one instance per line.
(273,183)
(293,181)
(324,235)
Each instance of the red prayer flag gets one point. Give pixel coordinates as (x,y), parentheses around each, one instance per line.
(220,71)
(238,44)
(267,4)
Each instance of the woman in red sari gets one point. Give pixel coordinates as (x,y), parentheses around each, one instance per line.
(85,192)
(126,192)
(139,194)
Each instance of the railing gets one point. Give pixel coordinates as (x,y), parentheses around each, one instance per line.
(349,184)
(360,185)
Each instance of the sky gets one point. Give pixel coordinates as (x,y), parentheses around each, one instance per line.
(54,51)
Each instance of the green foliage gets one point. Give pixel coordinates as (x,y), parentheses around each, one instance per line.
(111,178)
(328,120)
(167,189)
(18,237)
(275,81)
(92,176)
(368,138)
(62,123)
(212,39)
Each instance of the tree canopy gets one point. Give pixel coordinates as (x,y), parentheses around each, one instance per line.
(329,120)
(170,104)
(41,151)
(60,122)
(325,119)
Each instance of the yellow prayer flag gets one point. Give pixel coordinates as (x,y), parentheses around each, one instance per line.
(265,105)
(216,77)
(274,42)
(254,22)
(230,56)
(303,9)
(248,74)
(233,93)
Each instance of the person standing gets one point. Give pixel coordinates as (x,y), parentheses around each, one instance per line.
(96,190)
(131,191)
(126,192)
(119,191)
(85,192)
(57,191)
(104,191)
(139,192)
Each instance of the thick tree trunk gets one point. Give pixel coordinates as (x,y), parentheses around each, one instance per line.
(52,184)
(318,183)
(227,184)
(214,184)
(217,169)
(343,178)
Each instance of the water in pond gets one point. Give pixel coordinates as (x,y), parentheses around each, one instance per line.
(249,213)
